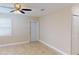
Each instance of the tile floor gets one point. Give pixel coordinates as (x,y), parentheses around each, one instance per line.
(33,48)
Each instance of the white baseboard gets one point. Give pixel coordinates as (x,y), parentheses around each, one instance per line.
(57,50)
(16,43)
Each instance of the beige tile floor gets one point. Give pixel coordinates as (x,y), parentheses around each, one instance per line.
(33,48)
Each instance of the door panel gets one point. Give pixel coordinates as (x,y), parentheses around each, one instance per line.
(34,31)
(75,35)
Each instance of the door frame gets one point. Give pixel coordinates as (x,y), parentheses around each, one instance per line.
(30,30)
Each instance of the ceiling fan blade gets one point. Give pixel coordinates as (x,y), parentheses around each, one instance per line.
(22,12)
(27,9)
(12,10)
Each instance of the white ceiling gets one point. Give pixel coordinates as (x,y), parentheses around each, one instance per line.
(36,8)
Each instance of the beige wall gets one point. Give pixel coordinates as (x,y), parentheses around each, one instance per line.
(19,29)
(55,29)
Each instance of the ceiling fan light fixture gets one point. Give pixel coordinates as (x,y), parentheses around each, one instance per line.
(17,6)
(17,12)
(18,9)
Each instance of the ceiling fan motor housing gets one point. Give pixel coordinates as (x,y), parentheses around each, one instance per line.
(17,6)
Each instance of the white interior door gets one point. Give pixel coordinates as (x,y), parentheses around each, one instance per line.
(34,31)
(75,35)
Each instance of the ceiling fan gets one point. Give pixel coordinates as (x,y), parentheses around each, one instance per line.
(18,7)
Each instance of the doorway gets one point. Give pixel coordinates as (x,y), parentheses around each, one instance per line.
(34,31)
